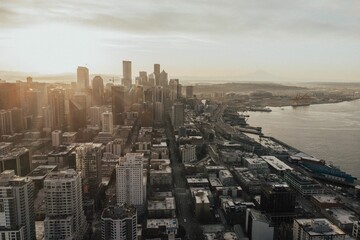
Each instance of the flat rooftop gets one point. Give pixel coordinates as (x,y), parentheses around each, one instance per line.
(167,204)
(276,163)
(319,226)
(119,212)
(342,215)
(324,198)
(167,222)
(41,171)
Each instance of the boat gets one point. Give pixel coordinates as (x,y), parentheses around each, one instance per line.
(260,109)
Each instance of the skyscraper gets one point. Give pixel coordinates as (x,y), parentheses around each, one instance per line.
(177,115)
(118,103)
(82,78)
(163,78)
(143,78)
(77,115)
(126,80)
(57,106)
(5,123)
(174,88)
(157,74)
(88,161)
(189,92)
(65,217)
(129,180)
(107,122)
(17,218)
(97,91)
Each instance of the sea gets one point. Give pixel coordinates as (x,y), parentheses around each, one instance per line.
(327,131)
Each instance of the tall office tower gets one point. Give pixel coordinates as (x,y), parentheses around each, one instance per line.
(148,95)
(158,94)
(143,78)
(174,88)
(126,80)
(107,122)
(157,74)
(151,80)
(118,103)
(158,113)
(6,127)
(46,113)
(139,94)
(17,119)
(189,92)
(32,102)
(57,107)
(95,116)
(17,218)
(119,222)
(129,180)
(278,202)
(97,91)
(56,138)
(107,96)
(65,217)
(88,161)
(82,78)
(177,115)
(77,115)
(163,78)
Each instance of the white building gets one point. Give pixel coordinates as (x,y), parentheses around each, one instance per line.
(129,180)
(320,228)
(17,218)
(119,222)
(65,217)
(107,122)
(56,138)
(188,153)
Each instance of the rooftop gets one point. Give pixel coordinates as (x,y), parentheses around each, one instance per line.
(119,212)
(14,153)
(276,163)
(167,222)
(319,226)
(323,198)
(166,204)
(41,171)
(342,215)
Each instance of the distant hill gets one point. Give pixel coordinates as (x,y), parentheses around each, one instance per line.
(245,87)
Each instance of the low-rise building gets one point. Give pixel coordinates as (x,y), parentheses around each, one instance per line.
(314,229)
(197,182)
(160,172)
(342,217)
(69,138)
(306,186)
(162,208)
(326,201)
(226,178)
(256,164)
(168,226)
(276,164)
(248,181)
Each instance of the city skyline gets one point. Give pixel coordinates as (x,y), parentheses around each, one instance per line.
(303,41)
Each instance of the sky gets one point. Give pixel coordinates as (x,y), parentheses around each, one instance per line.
(303,40)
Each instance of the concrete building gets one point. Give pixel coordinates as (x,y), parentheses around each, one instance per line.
(129,180)
(188,153)
(88,161)
(97,91)
(306,186)
(17,159)
(62,156)
(256,164)
(107,122)
(276,164)
(69,138)
(118,103)
(320,228)
(226,178)
(57,108)
(189,92)
(5,147)
(326,201)
(116,146)
(356,230)
(65,217)
(162,208)
(160,172)
(119,223)
(257,226)
(6,122)
(167,226)
(17,218)
(56,138)
(39,174)
(127,78)
(201,204)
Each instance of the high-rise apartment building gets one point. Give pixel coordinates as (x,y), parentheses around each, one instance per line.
(82,78)
(129,179)
(126,80)
(143,78)
(57,107)
(65,217)
(88,161)
(17,218)
(107,122)
(119,222)
(6,127)
(97,91)
(174,89)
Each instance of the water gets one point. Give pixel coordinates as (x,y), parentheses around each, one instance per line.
(326,131)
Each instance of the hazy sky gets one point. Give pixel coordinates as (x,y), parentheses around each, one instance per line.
(296,39)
